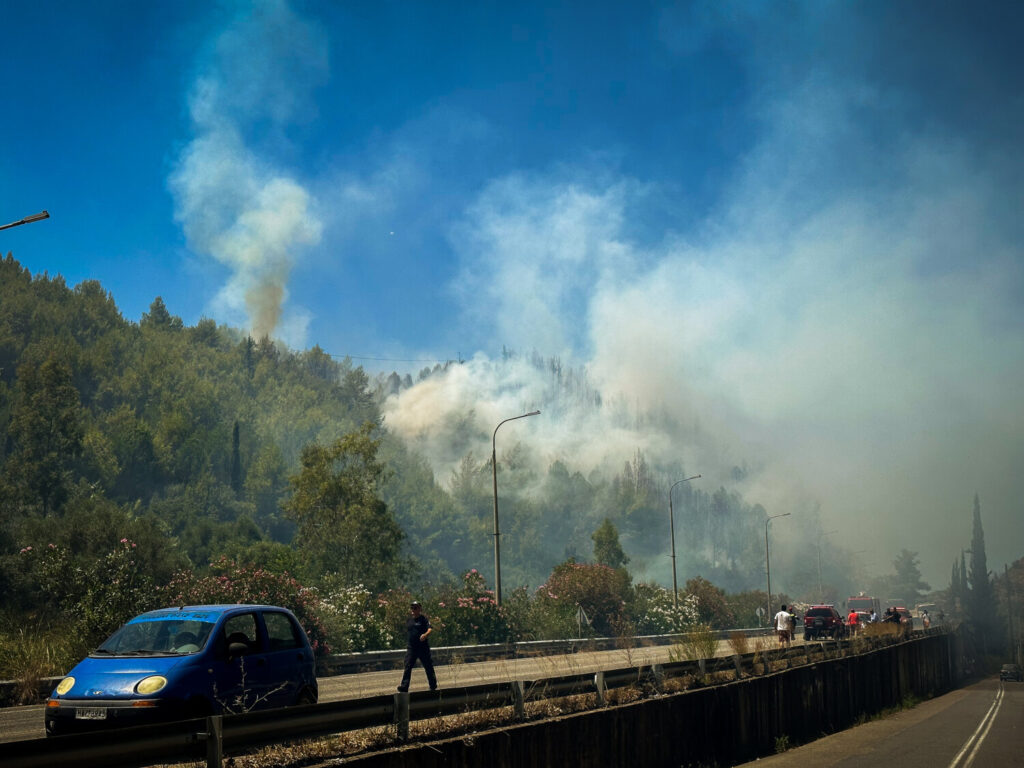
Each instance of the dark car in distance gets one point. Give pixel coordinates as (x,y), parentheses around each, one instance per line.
(180,663)
(823,621)
(1011,672)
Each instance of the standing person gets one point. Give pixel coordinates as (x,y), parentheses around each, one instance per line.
(418,629)
(852,621)
(782,625)
(873,617)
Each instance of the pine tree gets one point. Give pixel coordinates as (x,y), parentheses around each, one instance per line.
(607,549)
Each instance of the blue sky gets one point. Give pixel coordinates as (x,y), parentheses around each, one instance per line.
(797,221)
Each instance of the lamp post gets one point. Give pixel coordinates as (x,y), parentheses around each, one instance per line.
(494,469)
(767,559)
(821,596)
(672,531)
(27,220)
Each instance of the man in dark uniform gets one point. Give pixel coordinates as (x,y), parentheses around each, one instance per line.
(417,628)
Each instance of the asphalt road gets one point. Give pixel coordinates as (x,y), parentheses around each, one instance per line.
(980,726)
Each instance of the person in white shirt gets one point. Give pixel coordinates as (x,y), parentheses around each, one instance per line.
(782,625)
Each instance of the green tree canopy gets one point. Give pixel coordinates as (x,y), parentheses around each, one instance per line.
(343,526)
(607,549)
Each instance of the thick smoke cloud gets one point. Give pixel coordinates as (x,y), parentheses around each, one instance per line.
(233,204)
(847,320)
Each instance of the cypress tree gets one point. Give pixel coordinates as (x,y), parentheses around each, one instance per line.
(981,605)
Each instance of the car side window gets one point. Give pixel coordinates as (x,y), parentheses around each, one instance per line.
(282,632)
(241,629)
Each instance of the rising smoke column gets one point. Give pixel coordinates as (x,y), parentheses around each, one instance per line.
(231,201)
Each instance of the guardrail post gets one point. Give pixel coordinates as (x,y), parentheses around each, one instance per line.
(601,688)
(214,741)
(402,715)
(519,699)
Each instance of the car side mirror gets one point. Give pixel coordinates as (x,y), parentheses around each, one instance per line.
(237,649)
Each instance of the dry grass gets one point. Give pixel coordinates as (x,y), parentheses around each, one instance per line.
(739,642)
(27,656)
(698,643)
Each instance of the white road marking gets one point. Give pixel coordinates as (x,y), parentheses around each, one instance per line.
(979,733)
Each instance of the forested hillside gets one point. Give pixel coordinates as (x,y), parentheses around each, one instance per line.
(153,461)
(186,438)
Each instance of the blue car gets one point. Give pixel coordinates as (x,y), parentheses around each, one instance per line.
(179,663)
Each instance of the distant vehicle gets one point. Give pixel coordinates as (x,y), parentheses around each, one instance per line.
(931,608)
(1011,672)
(179,663)
(863,603)
(823,620)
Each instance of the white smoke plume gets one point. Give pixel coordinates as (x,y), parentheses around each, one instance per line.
(233,204)
(859,348)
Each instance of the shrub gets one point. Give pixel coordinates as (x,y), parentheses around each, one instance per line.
(599,590)
(250,584)
(468,615)
(97,596)
(652,611)
(353,619)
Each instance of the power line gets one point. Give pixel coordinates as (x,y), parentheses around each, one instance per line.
(392,359)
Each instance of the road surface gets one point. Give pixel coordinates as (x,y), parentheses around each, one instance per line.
(980,726)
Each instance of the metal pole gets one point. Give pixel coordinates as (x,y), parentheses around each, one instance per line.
(768,562)
(672,532)
(497,533)
(27,220)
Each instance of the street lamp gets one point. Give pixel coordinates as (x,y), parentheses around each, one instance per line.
(494,469)
(767,559)
(821,595)
(27,220)
(672,530)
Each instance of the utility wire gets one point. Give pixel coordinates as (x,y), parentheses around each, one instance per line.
(393,359)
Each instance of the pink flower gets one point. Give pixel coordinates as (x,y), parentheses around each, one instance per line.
(124,541)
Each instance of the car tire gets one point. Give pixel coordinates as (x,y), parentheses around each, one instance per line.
(306,696)
(807,636)
(197,707)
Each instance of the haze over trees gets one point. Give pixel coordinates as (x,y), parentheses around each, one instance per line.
(173,449)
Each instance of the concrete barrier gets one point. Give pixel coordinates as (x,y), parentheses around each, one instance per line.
(718,725)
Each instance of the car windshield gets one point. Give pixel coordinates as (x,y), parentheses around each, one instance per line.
(160,633)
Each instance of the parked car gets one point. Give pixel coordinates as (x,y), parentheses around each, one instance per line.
(822,621)
(178,663)
(1011,672)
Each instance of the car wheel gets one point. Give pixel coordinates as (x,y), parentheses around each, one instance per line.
(306,696)
(197,707)
(807,636)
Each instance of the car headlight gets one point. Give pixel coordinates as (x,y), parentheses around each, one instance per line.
(65,685)
(151,684)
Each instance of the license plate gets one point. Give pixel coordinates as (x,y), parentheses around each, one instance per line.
(90,713)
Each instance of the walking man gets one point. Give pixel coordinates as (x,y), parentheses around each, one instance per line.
(782,625)
(417,628)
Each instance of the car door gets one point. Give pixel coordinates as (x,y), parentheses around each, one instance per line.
(289,659)
(245,678)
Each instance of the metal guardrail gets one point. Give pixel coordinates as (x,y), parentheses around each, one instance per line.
(190,739)
(341,663)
